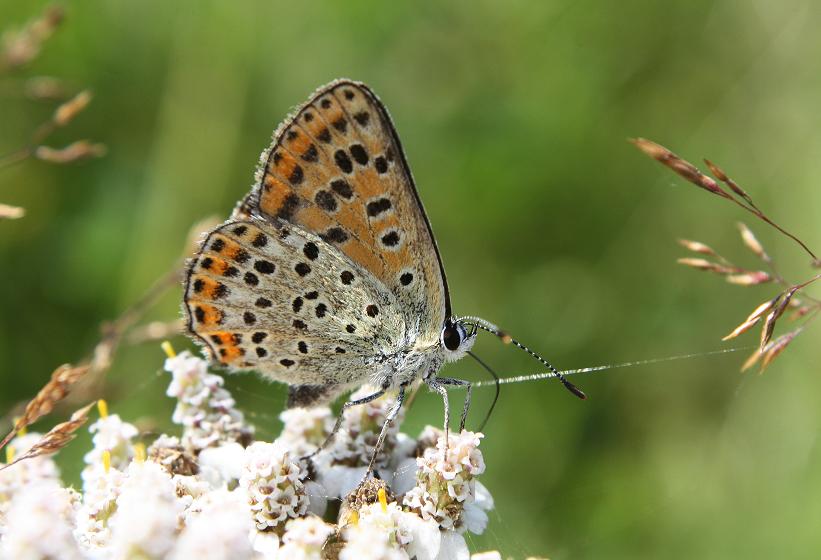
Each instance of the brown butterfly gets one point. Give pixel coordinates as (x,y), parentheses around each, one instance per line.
(327,276)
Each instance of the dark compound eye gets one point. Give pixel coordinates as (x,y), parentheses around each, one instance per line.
(452,336)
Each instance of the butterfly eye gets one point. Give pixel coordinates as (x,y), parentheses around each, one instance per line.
(453,335)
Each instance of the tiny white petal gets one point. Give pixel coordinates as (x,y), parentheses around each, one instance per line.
(474,519)
(453,547)
(489,555)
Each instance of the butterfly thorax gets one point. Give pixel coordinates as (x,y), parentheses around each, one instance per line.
(407,365)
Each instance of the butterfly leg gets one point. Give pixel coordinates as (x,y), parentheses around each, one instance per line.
(436,385)
(346,406)
(460,383)
(389,418)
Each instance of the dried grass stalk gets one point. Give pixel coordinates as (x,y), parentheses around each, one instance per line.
(11,212)
(66,112)
(752,242)
(76,151)
(23,46)
(44,402)
(704,264)
(56,438)
(680,166)
(753,318)
(697,247)
(751,278)
(45,88)
(692,174)
(771,310)
(777,347)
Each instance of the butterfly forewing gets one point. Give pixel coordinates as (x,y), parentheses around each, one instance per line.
(336,169)
(288,304)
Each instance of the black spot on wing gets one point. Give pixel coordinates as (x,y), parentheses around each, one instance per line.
(362,118)
(381,164)
(264,267)
(335,235)
(326,201)
(296,175)
(261,240)
(311,154)
(342,188)
(390,239)
(340,124)
(258,337)
(378,206)
(289,206)
(359,154)
(343,161)
(311,250)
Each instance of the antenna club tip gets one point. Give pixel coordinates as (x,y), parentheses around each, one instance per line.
(505,338)
(576,391)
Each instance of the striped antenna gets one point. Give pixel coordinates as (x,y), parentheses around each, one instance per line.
(507,339)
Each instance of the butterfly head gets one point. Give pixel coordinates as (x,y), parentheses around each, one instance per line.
(456,340)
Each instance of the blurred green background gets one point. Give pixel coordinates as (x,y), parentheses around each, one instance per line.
(514,117)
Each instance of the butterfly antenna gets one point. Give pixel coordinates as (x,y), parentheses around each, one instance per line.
(507,339)
(498,388)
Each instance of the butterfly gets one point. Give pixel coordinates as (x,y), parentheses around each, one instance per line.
(327,276)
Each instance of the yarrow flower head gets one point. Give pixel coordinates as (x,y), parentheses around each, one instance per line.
(24,473)
(445,488)
(369,541)
(39,523)
(114,436)
(304,538)
(305,429)
(404,530)
(205,409)
(274,485)
(147,514)
(217,525)
(206,493)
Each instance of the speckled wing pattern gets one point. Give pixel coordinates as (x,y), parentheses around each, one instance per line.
(336,168)
(276,300)
(348,269)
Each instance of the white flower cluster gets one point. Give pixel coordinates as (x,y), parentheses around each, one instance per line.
(25,473)
(447,490)
(205,409)
(305,429)
(274,484)
(204,495)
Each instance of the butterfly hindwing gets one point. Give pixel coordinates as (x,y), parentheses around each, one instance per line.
(336,169)
(280,300)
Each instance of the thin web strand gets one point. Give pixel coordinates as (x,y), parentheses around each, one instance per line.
(548,375)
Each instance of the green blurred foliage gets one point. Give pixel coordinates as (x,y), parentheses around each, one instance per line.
(514,117)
